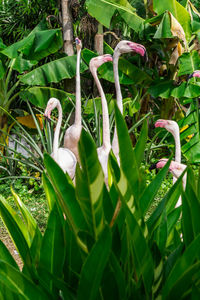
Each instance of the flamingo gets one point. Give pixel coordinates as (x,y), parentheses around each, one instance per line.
(173,128)
(194,74)
(122,47)
(63,156)
(72,134)
(175,168)
(104,150)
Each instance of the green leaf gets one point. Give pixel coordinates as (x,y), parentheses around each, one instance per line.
(177,10)
(162,233)
(21,65)
(53,71)
(142,254)
(101,11)
(49,191)
(28,218)
(162,88)
(172,218)
(37,45)
(17,230)
(6,256)
(93,267)
(141,144)
(2,70)
(189,62)
(39,96)
(52,252)
(127,158)
(90,180)
(193,204)
(66,198)
(152,189)
(74,258)
(164,28)
(183,271)
(17,282)
(168,201)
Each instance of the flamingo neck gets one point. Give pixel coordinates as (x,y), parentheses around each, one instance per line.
(57,131)
(78,90)
(176,136)
(106,126)
(116,56)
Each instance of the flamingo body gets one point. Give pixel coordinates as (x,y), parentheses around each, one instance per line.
(104,150)
(63,156)
(122,47)
(72,134)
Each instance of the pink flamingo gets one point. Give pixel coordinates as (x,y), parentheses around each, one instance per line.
(63,156)
(72,134)
(175,168)
(104,150)
(122,47)
(173,128)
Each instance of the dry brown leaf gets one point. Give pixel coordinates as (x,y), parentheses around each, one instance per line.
(175,54)
(177,29)
(29,122)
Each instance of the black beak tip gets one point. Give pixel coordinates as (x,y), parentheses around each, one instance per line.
(189,76)
(47,119)
(145,57)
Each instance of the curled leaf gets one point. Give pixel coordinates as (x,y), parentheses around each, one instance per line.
(177,29)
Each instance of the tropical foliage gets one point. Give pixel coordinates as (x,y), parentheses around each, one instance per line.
(102,241)
(99,243)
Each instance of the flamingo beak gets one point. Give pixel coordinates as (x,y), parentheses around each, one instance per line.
(47,115)
(145,57)
(194,74)
(47,118)
(137,48)
(159,123)
(77,41)
(108,57)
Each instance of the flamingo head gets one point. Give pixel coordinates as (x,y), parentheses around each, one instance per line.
(128,46)
(78,44)
(51,104)
(96,62)
(175,168)
(194,74)
(169,125)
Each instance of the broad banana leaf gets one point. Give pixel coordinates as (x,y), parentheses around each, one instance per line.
(37,45)
(127,70)
(189,62)
(39,96)
(21,65)
(103,11)
(53,71)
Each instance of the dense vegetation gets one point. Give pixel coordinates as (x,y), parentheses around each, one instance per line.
(85,239)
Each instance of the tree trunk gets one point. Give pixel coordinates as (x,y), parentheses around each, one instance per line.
(67,28)
(98,40)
